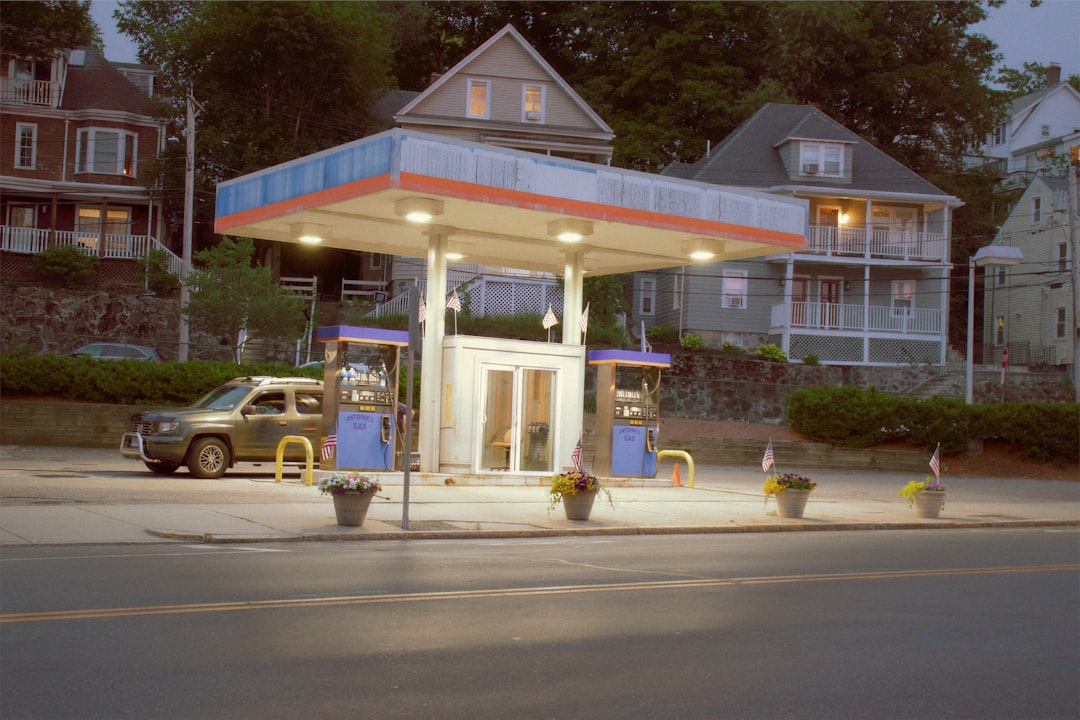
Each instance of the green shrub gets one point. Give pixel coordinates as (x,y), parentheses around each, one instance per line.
(662,335)
(733,352)
(770,353)
(65,266)
(693,342)
(154,270)
(811,359)
(842,415)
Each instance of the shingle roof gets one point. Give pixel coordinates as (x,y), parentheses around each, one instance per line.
(749,157)
(97,85)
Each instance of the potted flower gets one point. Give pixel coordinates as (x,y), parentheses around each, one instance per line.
(791,491)
(926,496)
(576,490)
(352,493)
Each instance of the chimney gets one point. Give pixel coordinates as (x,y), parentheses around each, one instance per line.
(1053,74)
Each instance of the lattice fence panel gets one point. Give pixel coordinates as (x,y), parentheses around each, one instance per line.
(898,351)
(828,349)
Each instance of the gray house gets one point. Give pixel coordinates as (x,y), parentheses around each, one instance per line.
(871,287)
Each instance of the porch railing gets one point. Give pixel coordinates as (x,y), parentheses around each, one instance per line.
(875,243)
(850,317)
(21,91)
(30,241)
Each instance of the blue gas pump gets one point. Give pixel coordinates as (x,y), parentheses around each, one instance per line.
(627,411)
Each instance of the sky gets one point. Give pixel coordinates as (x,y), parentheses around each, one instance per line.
(1047,33)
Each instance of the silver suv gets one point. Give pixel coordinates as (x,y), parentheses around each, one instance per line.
(241,421)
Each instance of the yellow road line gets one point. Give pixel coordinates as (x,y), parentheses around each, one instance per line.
(99,613)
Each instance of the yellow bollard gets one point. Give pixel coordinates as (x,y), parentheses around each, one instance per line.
(307,451)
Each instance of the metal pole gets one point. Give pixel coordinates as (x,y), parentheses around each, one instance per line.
(189,208)
(1074,263)
(406,452)
(969,371)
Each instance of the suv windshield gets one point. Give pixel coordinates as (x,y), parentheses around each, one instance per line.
(225,397)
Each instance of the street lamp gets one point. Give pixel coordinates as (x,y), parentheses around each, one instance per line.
(989,255)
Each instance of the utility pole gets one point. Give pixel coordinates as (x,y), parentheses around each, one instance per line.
(1074,261)
(189,212)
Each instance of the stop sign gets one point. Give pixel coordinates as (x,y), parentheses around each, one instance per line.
(1004,357)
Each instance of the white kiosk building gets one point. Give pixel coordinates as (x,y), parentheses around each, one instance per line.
(484,401)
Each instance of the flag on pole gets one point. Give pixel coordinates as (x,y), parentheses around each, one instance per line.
(421,310)
(453,302)
(549,319)
(583,321)
(935,462)
(329,447)
(767,460)
(577,456)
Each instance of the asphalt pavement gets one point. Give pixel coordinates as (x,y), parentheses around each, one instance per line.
(64,496)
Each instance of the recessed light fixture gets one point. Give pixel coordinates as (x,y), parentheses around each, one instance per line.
(454,256)
(418,210)
(569,230)
(310,233)
(702,249)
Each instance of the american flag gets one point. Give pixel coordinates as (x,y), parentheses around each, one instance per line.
(577,456)
(935,462)
(329,447)
(767,461)
(549,319)
(453,302)
(421,311)
(583,322)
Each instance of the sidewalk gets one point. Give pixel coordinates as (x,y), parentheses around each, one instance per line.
(60,496)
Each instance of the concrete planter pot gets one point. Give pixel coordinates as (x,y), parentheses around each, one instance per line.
(929,503)
(792,503)
(351,508)
(578,506)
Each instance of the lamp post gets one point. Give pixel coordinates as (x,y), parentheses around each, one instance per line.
(984,256)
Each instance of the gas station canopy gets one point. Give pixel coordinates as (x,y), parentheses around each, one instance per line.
(503,207)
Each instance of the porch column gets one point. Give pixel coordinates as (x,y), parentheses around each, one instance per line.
(866,314)
(868,229)
(573,294)
(431,358)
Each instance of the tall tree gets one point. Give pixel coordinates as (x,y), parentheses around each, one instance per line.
(277,79)
(37,29)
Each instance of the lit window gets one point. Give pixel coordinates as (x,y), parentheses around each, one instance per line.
(532,103)
(479,105)
(734,289)
(25,146)
(648,296)
(106,151)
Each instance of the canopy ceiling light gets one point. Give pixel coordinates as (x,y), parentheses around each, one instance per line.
(702,249)
(569,230)
(418,209)
(310,233)
(454,256)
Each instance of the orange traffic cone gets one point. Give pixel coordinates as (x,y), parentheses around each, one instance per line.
(675,478)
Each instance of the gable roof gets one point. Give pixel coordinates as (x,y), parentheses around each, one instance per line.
(1026,105)
(98,85)
(749,156)
(508,32)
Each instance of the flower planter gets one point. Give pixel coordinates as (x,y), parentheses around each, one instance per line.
(579,505)
(792,503)
(929,503)
(351,508)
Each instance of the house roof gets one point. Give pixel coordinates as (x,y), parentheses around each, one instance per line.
(98,85)
(512,34)
(749,156)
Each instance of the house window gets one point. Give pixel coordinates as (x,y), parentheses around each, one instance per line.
(89,224)
(22,216)
(1045,130)
(479,104)
(107,151)
(532,103)
(999,330)
(903,295)
(647,296)
(25,146)
(1036,210)
(375,261)
(1059,323)
(821,159)
(1062,257)
(1000,135)
(1002,277)
(677,290)
(734,289)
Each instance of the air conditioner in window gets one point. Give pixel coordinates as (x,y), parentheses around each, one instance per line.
(809,168)
(532,115)
(735,302)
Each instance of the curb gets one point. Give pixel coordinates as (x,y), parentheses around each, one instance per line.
(215,539)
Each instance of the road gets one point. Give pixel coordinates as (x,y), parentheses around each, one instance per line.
(884,624)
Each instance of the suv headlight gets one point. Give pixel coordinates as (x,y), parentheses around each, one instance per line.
(168,426)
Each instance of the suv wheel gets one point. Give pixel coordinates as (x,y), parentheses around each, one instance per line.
(208,458)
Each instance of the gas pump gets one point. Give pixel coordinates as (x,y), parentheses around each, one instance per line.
(360,382)
(627,411)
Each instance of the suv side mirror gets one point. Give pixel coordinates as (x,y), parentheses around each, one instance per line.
(247,410)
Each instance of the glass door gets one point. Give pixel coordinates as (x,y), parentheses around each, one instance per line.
(518,422)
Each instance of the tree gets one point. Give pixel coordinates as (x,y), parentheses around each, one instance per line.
(36,30)
(231,298)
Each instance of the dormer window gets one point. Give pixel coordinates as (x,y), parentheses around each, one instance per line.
(821,159)
(532,103)
(479,100)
